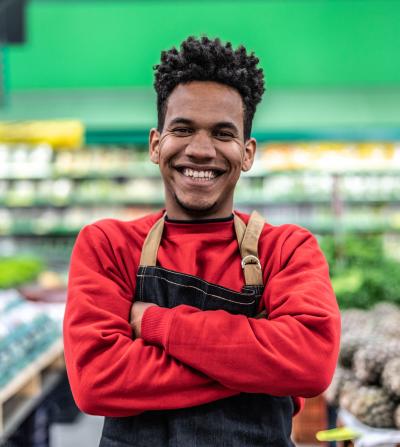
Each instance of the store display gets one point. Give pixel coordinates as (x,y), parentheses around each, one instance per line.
(25,332)
(370,359)
(372,406)
(284,184)
(352,339)
(60,133)
(343,377)
(397,417)
(367,436)
(346,193)
(367,379)
(18,270)
(363,272)
(391,376)
(332,156)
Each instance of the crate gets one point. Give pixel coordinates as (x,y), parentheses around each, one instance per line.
(310,420)
(21,394)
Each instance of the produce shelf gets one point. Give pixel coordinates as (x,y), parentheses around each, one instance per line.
(145,170)
(22,394)
(159,202)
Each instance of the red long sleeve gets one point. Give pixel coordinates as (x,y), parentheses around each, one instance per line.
(187,357)
(110,374)
(293,352)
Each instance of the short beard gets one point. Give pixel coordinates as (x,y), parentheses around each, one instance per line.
(197,210)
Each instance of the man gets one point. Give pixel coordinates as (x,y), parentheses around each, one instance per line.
(196,325)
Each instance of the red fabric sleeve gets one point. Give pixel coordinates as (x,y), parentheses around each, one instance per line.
(292,353)
(111,374)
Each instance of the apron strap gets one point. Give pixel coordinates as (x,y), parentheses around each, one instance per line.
(247,237)
(151,243)
(248,245)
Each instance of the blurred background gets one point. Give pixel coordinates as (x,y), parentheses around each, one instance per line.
(76,105)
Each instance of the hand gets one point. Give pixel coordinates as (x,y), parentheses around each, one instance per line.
(136,316)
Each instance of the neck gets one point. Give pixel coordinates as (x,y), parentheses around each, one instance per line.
(197,215)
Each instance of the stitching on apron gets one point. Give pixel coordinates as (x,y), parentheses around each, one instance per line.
(141,283)
(203,280)
(202,291)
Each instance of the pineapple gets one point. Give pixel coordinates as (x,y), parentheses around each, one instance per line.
(357,329)
(340,378)
(369,361)
(372,406)
(391,376)
(397,416)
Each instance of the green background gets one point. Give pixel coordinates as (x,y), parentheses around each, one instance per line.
(301,43)
(332,66)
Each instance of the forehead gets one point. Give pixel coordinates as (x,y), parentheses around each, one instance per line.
(205,101)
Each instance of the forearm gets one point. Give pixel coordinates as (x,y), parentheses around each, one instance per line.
(292,352)
(111,374)
(126,377)
(282,357)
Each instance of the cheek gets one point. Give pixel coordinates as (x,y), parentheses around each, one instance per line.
(169,150)
(235,157)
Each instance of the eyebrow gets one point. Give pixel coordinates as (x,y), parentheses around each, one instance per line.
(180,120)
(227,125)
(220,125)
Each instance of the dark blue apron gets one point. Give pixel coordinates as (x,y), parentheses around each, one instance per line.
(247,419)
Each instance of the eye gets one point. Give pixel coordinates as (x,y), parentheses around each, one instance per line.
(182,131)
(224,135)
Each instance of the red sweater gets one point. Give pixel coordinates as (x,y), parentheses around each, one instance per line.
(186,356)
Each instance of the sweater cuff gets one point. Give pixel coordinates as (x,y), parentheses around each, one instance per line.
(155,325)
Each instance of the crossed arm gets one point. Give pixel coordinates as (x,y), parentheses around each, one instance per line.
(190,358)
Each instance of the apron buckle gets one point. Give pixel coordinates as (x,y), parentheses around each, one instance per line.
(251,259)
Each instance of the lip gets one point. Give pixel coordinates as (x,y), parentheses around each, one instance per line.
(216,169)
(193,181)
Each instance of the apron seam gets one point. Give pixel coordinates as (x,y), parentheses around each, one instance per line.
(202,291)
(196,278)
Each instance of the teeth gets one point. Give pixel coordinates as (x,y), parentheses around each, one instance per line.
(208,175)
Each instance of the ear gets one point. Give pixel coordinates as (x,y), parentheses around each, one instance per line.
(154,145)
(249,154)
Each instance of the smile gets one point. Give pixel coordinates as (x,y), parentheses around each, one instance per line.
(199,175)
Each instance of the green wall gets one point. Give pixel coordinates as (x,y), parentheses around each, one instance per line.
(300,42)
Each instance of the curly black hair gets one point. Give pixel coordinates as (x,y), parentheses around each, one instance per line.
(209,60)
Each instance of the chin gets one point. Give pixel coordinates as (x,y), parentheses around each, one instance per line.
(197,206)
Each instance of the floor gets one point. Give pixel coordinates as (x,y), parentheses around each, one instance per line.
(85,432)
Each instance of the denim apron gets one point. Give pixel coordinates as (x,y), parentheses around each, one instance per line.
(247,419)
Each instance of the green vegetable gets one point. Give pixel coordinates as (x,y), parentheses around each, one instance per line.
(19,270)
(361,273)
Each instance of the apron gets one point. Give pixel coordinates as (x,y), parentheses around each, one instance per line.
(247,419)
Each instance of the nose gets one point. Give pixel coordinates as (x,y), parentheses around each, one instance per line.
(201,146)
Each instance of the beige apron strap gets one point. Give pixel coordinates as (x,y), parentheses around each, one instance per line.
(247,239)
(151,244)
(248,244)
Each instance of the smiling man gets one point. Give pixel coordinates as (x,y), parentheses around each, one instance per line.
(202,149)
(199,325)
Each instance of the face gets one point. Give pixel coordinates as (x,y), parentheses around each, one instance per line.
(201,150)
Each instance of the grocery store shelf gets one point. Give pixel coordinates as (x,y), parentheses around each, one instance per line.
(26,389)
(159,202)
(328,227)
(146,171)
(31,231)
